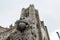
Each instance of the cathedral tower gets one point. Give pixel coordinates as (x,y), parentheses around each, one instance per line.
(28,27)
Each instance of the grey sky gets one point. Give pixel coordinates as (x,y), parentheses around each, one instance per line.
(49,11)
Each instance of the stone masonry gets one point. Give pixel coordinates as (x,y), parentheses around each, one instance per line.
(28,27)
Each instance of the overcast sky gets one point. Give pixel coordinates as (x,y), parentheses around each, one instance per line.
(49,12)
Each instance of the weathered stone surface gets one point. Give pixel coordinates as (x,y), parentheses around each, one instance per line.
(3,29)
(28,27)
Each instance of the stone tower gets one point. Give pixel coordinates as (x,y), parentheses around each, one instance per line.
(28,27)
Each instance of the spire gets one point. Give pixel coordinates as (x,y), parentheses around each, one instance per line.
(31,5)
(22,12)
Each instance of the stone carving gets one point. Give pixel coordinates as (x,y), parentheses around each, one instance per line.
(24,31)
